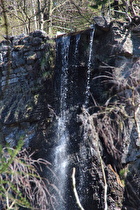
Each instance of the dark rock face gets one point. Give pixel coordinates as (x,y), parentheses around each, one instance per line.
(25,72)
(104,144)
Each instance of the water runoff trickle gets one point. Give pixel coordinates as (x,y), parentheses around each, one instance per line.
(78,36)
(83,148)
(87,92)
(60,153)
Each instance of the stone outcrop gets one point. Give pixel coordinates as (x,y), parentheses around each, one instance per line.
(109,155)
(26,66)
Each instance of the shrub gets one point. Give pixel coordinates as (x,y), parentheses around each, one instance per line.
(20,182)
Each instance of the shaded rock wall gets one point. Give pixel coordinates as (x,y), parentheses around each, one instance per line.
(26,66)
(114,105)
(104,139)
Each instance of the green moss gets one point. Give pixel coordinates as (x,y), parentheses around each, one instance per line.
(47,75)
(47,64)
(123,173)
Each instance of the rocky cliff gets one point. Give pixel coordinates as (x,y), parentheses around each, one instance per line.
(99,78)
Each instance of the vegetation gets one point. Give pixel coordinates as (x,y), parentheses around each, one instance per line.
(123,174)
(61,15)
(20,182)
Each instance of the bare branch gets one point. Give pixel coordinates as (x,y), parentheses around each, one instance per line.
(75,190)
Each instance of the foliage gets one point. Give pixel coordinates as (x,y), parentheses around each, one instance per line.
(107,127)
(20,182)
(64,15)
(123,174)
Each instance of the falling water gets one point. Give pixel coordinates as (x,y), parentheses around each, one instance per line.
(78,36)
(83,148)
(61,159)
(87,93)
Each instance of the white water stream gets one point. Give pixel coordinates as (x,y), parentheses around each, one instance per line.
(87,93)
(76,49)
(83,149)
(60,156)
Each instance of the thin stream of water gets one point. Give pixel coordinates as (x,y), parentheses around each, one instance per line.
(78,36)
(60,156)
(83,149)
(87,92)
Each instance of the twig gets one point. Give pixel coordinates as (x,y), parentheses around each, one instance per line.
(136,118)
(74,189)
(105,183)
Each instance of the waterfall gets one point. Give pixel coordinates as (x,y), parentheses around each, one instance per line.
(60,156)
(67,88)
(87,92)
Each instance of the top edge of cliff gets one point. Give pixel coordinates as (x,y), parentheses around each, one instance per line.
(100,23)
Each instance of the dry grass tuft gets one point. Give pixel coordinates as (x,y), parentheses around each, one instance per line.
(20,182)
